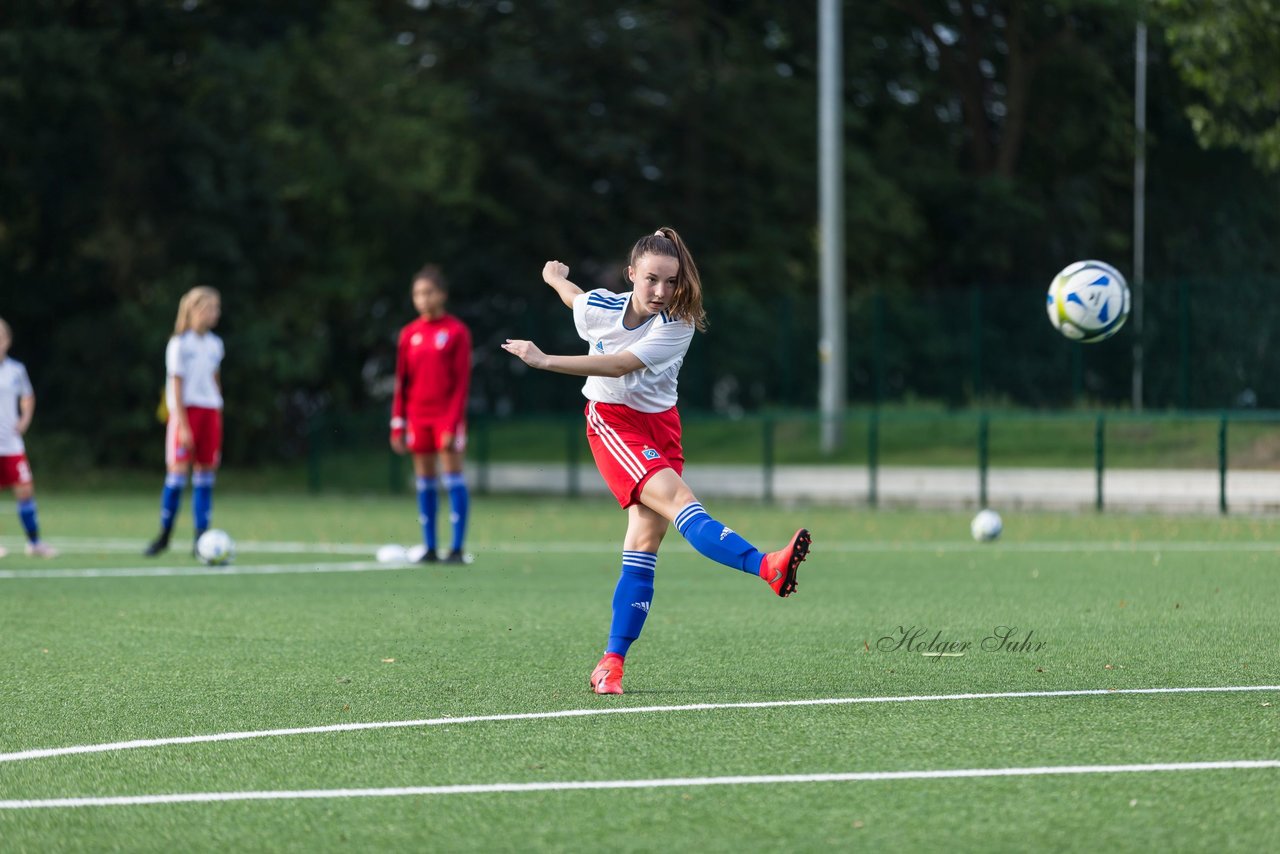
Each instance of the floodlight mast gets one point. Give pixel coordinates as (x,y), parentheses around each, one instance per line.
(831,311)
(1139,201)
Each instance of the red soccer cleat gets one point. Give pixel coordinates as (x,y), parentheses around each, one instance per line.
(607,677)
(779,568)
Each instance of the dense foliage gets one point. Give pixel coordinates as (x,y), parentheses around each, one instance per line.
(307,157)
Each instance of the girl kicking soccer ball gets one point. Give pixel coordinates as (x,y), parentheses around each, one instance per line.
(636,344)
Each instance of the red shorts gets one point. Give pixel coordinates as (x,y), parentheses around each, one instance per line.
(431,435)
(206,439)
(14,471)
(629,446)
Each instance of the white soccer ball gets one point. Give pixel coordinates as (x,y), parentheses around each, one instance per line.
(415,553)
(215,547)
(392,553)
(1088,301)
(986,526)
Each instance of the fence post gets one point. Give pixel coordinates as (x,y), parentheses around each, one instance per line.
(983,430)
(1222,464)
(571,456)
(1077,373)
(975,304)
(873,456)
(767,439)
(395,478)
(482,456)
(1099,455)
(315,432)
(1184,343)
(877,347)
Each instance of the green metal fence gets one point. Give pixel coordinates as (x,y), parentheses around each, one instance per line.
(351,453)
(1208,344)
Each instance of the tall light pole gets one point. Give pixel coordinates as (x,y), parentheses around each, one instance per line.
(831,311)
(1139,201)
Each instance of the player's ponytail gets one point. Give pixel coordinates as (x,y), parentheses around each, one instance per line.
(686,302)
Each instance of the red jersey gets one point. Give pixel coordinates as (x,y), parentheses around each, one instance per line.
(433,371)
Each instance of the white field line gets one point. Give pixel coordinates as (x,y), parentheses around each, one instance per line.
(98,545)
(72,545)
(83,545)
(196,569)
(46,752)
(659,783)
(836,547)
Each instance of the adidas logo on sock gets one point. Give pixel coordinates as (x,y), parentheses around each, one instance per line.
(726,532)
(643,606)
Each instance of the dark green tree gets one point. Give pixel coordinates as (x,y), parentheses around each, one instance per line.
(1228,52)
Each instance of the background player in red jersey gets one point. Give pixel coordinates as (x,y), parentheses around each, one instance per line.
(17,407)
(429,410)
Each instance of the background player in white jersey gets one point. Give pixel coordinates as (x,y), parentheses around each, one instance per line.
(17,407)
(193,396)
(636,343)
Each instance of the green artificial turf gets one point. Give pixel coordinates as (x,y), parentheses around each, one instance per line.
(1117,602)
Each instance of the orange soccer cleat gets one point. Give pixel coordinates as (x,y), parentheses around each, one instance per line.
(779,568)
(607,677)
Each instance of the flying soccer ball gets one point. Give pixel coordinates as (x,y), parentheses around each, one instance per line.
(1088,301)
(986,526)
(215,547)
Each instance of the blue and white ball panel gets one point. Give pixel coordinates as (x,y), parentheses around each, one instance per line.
(1088,301)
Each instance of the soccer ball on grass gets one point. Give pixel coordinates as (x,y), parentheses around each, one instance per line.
(391,553)
(1088,301)
(215,547)
(986,526)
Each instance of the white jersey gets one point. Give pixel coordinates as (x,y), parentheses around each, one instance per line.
(14,385)
(196,358)
(660,342)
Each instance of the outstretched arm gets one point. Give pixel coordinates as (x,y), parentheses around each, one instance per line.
(556,275)
(612,365)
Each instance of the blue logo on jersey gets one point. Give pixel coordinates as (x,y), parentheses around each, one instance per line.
(442,338)
(599,346)
(650,454)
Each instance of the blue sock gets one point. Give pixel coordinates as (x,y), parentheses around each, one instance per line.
(27,513)
(458,501)
(717,541)
(202,498)
(631,599)
(171,499)
(427,510)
